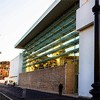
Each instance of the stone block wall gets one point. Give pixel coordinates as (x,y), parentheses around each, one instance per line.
(47,79)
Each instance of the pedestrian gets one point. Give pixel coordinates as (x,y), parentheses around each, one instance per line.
(60,89)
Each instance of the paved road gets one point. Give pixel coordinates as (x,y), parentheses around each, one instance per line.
(17,93)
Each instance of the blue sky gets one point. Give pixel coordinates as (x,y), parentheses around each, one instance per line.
(16,17)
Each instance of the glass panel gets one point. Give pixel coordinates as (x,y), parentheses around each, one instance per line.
(54,45)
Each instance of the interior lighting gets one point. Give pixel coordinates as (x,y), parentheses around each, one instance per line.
(50,55)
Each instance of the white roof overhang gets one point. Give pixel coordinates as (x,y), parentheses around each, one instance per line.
(51,14)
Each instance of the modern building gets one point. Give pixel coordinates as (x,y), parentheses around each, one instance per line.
(15,68)
(4,69)
(59,48)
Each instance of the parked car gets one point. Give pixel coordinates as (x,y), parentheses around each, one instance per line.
(2,81)
(9,81)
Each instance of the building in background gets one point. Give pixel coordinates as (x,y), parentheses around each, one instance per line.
(4,69)
(59,49)
(15,68)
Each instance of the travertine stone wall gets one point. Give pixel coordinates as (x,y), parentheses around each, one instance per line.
(70,78)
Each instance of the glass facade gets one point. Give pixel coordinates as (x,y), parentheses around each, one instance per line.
(57,45)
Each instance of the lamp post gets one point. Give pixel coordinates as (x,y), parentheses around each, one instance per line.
(96,85)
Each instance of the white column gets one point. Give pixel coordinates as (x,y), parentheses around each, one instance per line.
(84,24)
(86,61)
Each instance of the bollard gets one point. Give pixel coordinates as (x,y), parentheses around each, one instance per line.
(24,93)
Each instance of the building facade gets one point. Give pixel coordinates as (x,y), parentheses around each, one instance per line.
(15,68)
(4,69)
(53,46)
(59,48)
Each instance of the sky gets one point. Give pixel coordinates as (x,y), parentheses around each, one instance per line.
(16,17)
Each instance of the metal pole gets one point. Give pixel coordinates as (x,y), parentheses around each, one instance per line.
(96,85)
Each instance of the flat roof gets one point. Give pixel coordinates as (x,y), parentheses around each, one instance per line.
(50,15)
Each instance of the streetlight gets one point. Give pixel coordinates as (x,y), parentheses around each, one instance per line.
(96,85)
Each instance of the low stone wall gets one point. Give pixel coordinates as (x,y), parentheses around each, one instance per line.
(47,79)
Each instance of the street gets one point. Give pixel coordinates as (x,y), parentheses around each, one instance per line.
(17,93)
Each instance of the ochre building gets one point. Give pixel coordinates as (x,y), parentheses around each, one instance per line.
(4,69)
